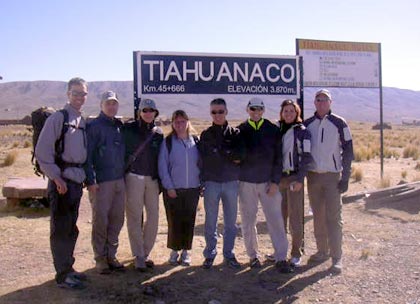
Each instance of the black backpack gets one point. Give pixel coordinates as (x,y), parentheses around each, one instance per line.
(38,118)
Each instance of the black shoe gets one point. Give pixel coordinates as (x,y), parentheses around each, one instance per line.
(149,263)
(115,265)
(284,267)
(208,263)
(78,275)
(232,263)
(71,283)
(255,263)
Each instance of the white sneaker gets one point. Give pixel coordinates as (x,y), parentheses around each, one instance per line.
(173,257)
(295,261)
(185,258)
(270,257)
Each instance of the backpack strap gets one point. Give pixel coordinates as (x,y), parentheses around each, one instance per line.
(59,144)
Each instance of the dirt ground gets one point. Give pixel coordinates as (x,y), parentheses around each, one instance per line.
(381,260)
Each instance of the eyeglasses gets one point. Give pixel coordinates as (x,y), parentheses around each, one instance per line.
(78,94)
(253,109)
(218,112)
(148,110)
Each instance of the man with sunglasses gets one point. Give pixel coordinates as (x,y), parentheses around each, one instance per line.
(143,139)
(221,150)
(258,182)
(66,176)
(328,177)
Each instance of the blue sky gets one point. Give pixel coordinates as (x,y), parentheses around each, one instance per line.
(56,40)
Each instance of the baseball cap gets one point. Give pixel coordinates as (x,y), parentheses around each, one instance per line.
(256,102)
(148,104)
(109,95)
(324,92)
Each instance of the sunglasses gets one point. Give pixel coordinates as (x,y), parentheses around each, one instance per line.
(78,94)
(322,100)
(148,110)
(218,112)
(253,109)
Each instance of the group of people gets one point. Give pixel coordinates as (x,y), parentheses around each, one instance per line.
(126,166)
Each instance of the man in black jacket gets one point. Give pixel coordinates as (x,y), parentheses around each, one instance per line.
(221,150)
(258,181)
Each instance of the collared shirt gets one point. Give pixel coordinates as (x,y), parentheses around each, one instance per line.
(75,145)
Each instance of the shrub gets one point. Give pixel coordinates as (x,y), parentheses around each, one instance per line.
(404,174)
(357,174)
(411,151)
(15,144)
(385,182)
(10,158)
(27,144)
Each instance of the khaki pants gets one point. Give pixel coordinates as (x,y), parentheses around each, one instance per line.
(325,200)
(142,192)
(249,195)
(293,202)
(107,217)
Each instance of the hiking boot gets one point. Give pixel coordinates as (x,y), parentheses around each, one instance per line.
(208,263)
(255,263)
(284,267)
(232,263)
(114,264)
(71,283)
(140,264)
(295,261)
(337,265)
(185,258)
(173,258)
(80,276)
(270,257)
(149,263)
(318,257)
(102,266)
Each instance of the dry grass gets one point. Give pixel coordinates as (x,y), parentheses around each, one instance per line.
(411,151)
(384,182)
(10,158)
(404,174)
(357,174)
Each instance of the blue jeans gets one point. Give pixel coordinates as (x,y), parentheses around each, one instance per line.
(228,193)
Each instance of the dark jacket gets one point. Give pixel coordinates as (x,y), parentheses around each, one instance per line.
(106,149)
(135,133)
(262,162)
(219,147)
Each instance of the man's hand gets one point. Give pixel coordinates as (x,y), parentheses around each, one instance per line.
(61,185)
(343,185)
(295,186)
(93,188)
(273,188)
(172,193)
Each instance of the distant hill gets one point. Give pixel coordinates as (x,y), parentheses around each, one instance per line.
(18,99)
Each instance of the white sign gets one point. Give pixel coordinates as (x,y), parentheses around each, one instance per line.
(339,64)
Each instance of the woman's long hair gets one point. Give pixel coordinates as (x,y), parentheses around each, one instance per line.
(295,105)
(183,114)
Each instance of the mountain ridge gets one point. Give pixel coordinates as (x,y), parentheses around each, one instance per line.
(20,98)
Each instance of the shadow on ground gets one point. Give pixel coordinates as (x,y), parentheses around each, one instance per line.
(177,285)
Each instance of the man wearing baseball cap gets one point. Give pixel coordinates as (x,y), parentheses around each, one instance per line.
(328,177)
(259,177)
(105,181)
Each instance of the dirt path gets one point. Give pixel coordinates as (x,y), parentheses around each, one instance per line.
(381,263)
